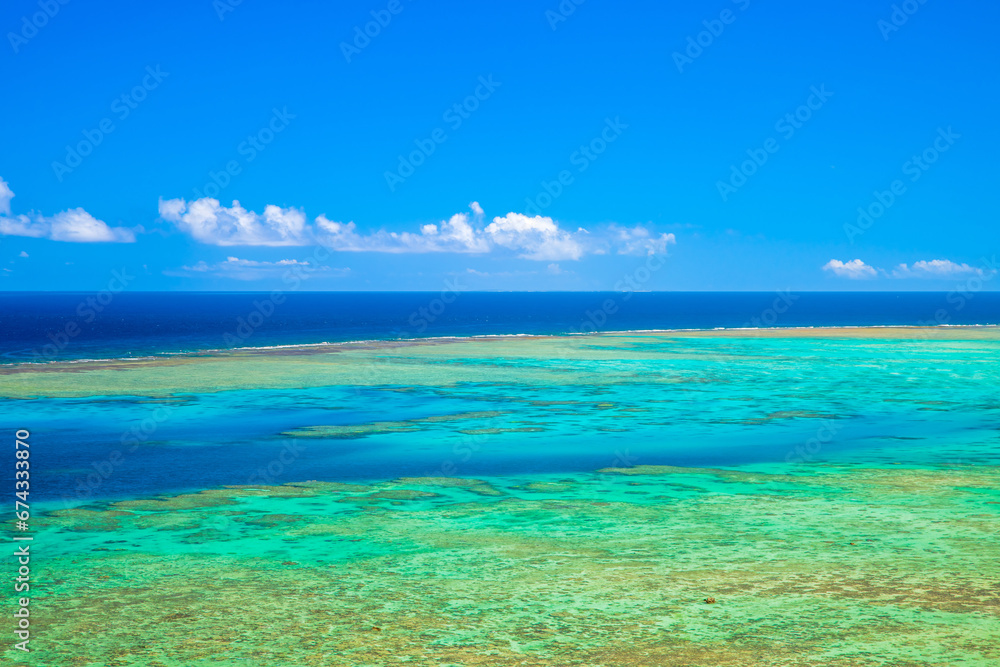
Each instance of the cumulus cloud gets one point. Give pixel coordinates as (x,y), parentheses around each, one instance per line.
(855,269)
(935,268)
(536,238)
(206,220)
(74,225)
(78,226)
(457,234)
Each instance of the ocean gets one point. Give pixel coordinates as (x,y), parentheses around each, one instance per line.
(204,429)
(734,479)
(53,326)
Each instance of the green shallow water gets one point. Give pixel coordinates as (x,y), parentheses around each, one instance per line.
(874,555)
(844,566)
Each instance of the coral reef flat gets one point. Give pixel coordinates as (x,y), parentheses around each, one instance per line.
(839,566)
(794,498)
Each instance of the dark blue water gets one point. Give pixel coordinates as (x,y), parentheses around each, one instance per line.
(49,326)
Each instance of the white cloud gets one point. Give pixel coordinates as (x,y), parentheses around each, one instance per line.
(536,238)
(6,194)
(556,270)
(78,226)
(22,226)
(23,254)
(249,269)
(854,269)
(74,225)
(935,268)
(928,269)
(639,241)
(236,261)
(200,267)
(206,220)
(501,274)
(457,234)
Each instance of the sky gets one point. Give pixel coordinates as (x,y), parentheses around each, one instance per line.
(516,145)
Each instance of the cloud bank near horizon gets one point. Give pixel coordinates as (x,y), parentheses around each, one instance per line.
(538,238)
(857,269)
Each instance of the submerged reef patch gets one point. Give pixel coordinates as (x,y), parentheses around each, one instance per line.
(842,566)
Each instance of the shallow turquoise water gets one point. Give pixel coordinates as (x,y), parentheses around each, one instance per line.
(535,502)
(686,401)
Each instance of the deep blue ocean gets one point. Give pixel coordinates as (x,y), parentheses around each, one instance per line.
(50,326)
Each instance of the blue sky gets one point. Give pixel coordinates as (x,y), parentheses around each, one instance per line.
(352,164)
